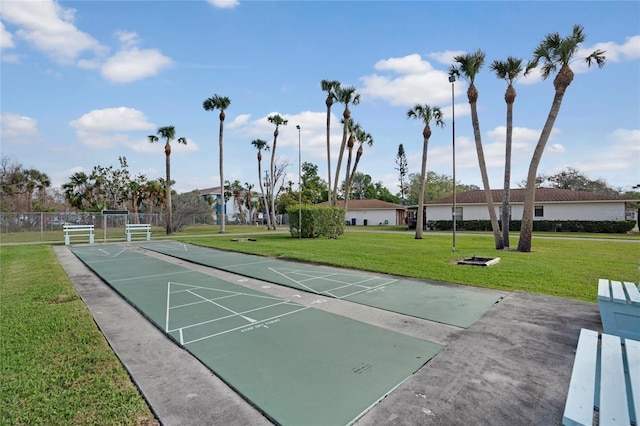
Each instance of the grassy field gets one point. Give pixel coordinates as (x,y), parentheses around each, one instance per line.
(557,267)
(56,367)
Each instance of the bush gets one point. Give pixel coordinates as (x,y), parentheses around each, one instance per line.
(592,226)
(317,221)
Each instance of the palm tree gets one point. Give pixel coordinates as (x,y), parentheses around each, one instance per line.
(330,87)
(278,121)
(556,54)
(427,114)
(362,137)
(168,133)
(468,65)
(345,96)
(509,71)
(262,145)
(35,179)
(211,104)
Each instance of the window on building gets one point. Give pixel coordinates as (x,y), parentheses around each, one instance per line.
(538,211)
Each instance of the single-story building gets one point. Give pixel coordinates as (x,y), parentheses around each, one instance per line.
(372,212)
(550,204)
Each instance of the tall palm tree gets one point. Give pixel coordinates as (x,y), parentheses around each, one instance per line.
(168,133)
(361,137)
(329,86)
(427,114)
(345,96)
(260,145)
(278,121)
(211,104)
(556,53)
(468,66)
(509,71)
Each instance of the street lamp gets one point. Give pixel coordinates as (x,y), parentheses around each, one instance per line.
(452,79)
(299,186)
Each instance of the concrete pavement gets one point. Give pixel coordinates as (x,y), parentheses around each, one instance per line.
(510,367)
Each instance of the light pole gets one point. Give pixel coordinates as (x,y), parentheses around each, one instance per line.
(299,186)
(452,79)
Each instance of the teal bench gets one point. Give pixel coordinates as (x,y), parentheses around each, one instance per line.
(77,231)
(606,378)
(619,305)
(138,228)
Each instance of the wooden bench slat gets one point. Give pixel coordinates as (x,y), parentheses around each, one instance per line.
(580,398)
(632,293)
(613,394)
(617,292)
(632,349)
(603,289)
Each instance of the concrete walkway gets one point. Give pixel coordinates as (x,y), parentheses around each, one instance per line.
(510,367)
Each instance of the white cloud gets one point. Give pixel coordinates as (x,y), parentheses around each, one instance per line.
(106,128)
(615,52)
(240,120)
(134,64)
(6,39)
(17,129)
(418,82)
(224,4)
(127,38)
(447,56)
(49,28)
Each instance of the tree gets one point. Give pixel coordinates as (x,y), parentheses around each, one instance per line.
(278,121)
(361,137)
(313,187)
(345,96)
(237,190)
(574,180)
(211,104)
(556,53)
(426,114)
(168,133)
(403,170)
(509,71)
(260,145)
(186,207)
(329,86)
(468,66)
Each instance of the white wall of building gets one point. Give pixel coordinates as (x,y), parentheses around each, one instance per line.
(373,217)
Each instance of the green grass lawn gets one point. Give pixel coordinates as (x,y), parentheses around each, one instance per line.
(56,367)
(557,267)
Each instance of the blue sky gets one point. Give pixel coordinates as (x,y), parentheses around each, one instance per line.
(85,82)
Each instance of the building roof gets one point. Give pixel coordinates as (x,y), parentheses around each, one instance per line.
(368,205)
(543,195)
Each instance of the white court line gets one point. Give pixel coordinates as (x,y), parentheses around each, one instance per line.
(251,320)
(202,301)
(242,326)
(249,263)
(166,324)
(286,302)
(151,276)
(368,289)
(297,282)
(196,287)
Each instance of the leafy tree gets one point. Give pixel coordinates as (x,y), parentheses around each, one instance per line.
(330,87)
(313,187)
(211,104)
(574,180)
(509,71)
(346,96)
(168,133)
(278,121)
(468,66)
(556,53)
(403,170)
(426,114)
(186,207)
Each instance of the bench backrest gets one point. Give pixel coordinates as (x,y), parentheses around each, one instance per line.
(77,228)
(618,292)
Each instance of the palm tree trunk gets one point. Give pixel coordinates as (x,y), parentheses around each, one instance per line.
(329,153)
(340,155)
(272,179)
(168,192)
(222,211)
(495,226)
(423,179)
(347,177)
(526,228)
(264,197)
(506,195)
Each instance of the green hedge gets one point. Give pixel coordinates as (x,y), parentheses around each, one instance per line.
(317,221)
(594,226)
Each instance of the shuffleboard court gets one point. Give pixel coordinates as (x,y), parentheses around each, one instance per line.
(453,305)
(298,365)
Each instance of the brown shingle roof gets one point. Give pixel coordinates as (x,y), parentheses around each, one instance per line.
(517,196)
(368,205)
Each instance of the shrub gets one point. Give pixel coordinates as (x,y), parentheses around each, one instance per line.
(317,221)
